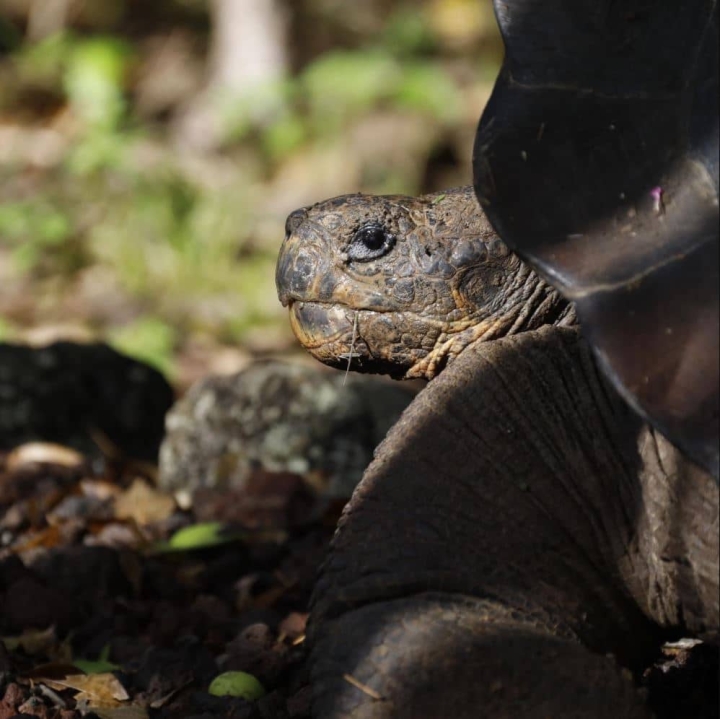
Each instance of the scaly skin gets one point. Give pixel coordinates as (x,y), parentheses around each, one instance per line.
(443,281)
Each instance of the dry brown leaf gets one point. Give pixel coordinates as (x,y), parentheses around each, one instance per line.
(94,690)
(99,488)
(106,445)
(47,538)
(293,626)
(116,454)
(119,534)
(50,673)
(144,504)
(163,700)
(43,453)
(62,653)
(32,641)
(269,597)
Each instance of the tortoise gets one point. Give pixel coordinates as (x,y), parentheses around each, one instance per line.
(520,518)
(545,513)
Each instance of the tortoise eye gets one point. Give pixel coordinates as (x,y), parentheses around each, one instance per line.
(370,242)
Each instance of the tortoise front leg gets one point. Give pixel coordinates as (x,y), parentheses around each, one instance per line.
(441,656)
(489,561)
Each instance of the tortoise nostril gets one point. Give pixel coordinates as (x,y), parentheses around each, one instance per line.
(294,220)
(296,271)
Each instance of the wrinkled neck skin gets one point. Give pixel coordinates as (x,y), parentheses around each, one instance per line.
(506,297)
(441,281)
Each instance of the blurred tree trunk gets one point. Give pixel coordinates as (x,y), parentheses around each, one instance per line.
(46,17)
(248,43)
(248,59)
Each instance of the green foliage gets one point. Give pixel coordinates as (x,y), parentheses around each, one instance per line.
(34,230)
(339,86)
(44,61)
(178,247)
(7,330)
(237,684)
(93,80)
(101,665)
(189,245)
(99,149)
(428,88)
(198,536)
(407,33)
(149,339)
(25,220)
(284,135)
(90,71)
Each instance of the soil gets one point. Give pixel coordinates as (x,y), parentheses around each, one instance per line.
(86,574)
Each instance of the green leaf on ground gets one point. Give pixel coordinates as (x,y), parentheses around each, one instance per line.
(237,684)
(198,536)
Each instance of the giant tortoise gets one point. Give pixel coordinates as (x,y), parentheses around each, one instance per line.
(527,534)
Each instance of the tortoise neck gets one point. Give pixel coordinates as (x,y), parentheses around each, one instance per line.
(534,303)
(508,297)
(525,303)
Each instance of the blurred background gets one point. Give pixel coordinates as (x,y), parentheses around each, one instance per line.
(150,152)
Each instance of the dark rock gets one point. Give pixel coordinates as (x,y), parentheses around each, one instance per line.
(298,705)
(93,573)
(256,651)
(272,706)
(163,670)
(28,602)
(206,706)
(4,662)
(11,569)
(66,391)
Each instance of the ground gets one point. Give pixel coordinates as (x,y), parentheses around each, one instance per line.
(88,581)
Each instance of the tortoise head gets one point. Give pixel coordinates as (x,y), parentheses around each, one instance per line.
(396,284)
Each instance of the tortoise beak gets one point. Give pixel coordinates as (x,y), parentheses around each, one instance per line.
(283,273)
(296,270)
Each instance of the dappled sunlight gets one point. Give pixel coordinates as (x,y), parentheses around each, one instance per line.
(106,183)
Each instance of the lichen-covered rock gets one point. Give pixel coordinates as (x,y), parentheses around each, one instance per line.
(278,417)
(70,393)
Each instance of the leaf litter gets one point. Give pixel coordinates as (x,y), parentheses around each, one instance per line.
(117,603)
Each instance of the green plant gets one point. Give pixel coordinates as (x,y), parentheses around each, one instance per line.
(149,339)
(34,230)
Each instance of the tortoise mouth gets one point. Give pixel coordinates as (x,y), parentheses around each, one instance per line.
(318,325)
(329,332)
(332,333)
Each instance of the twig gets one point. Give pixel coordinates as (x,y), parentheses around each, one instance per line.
(349,355)
(54,697)
(364,688)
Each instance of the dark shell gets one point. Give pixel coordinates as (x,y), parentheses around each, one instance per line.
(596,159)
